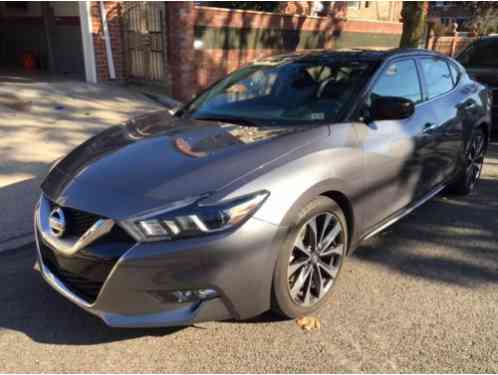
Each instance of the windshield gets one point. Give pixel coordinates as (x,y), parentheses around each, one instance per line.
(283,93)
(480,54)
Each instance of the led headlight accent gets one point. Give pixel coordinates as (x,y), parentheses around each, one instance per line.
(195,219)
(152,228)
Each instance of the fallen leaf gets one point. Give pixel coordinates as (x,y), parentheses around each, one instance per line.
(307,323)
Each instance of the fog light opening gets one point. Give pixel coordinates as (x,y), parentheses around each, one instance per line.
(198,295)
(183,296)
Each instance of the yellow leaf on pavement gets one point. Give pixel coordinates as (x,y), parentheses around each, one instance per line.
(308,323)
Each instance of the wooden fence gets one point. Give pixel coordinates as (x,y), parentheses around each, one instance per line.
(450,45)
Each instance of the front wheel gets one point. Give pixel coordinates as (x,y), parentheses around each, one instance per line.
(310,260)
(473,163)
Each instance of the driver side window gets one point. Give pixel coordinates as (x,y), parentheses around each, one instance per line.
(400,79)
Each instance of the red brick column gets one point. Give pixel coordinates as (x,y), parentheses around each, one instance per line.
(180,21)
(114,23)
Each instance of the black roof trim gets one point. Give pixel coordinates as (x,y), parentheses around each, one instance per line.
(360,54)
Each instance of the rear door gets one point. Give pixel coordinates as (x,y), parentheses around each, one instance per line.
(444,132)
(394,150)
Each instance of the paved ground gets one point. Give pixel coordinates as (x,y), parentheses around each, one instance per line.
(42,119)
(420,297)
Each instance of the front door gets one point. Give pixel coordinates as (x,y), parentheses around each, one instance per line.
(395,150)
(145,41)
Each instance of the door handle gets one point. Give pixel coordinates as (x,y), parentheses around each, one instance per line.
(469,105)
(429,126)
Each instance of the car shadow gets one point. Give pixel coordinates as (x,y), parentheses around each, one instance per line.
(30,306)
(451,239)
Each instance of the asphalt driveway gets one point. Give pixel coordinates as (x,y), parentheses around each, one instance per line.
(420,297)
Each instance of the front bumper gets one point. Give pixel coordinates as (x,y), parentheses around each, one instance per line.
(238,265)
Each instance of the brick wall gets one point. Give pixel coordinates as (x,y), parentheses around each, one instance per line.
(113,14)
(228,39)
(180,28)
(204,44)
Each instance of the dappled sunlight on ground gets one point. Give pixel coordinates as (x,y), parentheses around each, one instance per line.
(42,119)
(18,177)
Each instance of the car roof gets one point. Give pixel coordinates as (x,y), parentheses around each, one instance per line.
(349,54)
(481,38)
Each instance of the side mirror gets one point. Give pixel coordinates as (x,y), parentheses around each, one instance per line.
(391,108)
(174,110)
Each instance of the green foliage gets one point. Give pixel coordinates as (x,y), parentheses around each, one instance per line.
(484,20)
(264,6)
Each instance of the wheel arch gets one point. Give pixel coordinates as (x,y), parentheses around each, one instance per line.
(335,190)
(347,208)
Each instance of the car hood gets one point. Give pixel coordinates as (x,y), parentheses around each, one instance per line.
(159,159)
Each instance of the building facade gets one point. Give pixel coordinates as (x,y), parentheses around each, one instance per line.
(449,13)
(180,47)
(360,10)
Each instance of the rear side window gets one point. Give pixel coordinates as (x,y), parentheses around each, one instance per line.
(400,79)
(437,76)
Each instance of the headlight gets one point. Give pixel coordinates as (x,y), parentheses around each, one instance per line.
(190,219)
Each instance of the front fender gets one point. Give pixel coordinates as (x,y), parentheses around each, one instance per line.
(294,183)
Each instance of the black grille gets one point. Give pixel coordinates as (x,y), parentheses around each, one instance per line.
(85,288)
(77,222)
(60,266)
(85,272)
(117,236)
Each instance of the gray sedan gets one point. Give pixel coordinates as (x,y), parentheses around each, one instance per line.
(250,197)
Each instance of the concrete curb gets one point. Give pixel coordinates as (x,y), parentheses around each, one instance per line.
(154,94)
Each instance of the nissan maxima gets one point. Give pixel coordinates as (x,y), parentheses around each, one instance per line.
(249,197)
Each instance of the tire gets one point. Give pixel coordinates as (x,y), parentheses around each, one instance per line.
(303,280)
(475,151)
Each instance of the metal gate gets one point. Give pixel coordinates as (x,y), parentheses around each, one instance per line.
(145,41)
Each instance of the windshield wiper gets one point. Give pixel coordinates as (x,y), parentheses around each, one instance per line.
(230,120)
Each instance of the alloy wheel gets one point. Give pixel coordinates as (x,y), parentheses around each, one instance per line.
(315,259)
(474,160)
